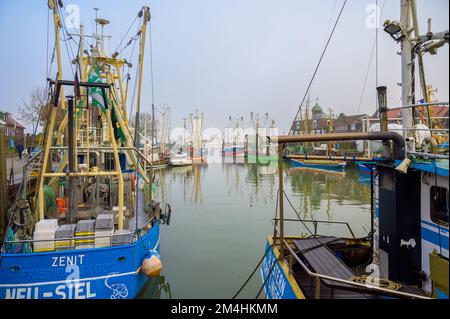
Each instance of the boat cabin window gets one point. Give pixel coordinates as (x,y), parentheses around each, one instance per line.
(439,205)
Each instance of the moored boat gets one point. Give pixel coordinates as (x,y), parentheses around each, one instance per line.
(319,164)
(405,253)
(180,159)
(234,150)
(89,231)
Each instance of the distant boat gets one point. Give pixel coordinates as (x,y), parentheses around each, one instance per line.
(366,167)
(234,150)
(319,164)
(180,159)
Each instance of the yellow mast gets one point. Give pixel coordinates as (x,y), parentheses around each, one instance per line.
(52,4)
(143,31)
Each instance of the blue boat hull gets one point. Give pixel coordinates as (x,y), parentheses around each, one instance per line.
(365,169)
(328,167)
(234,151)
(96,273)
(276,283)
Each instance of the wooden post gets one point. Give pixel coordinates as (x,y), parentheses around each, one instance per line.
(3,177)
(280,178)
(317,290)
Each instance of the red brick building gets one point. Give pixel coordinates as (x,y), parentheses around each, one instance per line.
(14,129)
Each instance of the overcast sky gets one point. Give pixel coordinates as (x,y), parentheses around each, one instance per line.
(232,57)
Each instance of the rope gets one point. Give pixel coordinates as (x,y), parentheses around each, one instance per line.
(374,50)
(267,278)
(123,38)
(377,282)
(264,256)
(321,57)
(253,272)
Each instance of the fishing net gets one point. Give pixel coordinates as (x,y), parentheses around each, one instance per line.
(50,203)
(145,189)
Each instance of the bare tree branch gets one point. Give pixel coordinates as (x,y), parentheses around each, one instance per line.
(30,110)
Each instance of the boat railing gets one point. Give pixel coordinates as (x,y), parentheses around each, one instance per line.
(367,286)
(316,224)
(72,239)
(91,135)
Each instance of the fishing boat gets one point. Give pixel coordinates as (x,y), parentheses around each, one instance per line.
(158,153)
(89,231)
(198,152)
(258,151)
(234,140)
(366,167)
(234,150)
(405,254)
(319,165)
(180,159)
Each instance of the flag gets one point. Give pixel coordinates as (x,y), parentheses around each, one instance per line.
(96,93)
(76,87)
(97,100)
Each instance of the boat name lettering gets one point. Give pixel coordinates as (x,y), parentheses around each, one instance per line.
(81,290)
(63,261)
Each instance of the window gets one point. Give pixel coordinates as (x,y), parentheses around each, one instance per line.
(439,198)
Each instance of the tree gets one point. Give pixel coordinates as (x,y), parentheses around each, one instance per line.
(30,111)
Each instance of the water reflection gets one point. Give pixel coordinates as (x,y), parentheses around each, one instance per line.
(221,217)
(156,288)
(315,189)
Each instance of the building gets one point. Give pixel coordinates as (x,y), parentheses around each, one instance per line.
(318,122)
(14,129)
(350,123)
(438,113)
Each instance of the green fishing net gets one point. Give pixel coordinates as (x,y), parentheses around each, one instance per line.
(50,204)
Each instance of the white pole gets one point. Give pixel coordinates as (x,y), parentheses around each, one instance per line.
(405,20)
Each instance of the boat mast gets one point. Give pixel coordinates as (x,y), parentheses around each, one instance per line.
(407,66)
(143,30)
(52,4)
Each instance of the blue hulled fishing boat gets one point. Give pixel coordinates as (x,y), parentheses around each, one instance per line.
(91,227)
(406,252)
(319,165)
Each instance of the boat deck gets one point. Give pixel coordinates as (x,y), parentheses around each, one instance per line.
(320,259)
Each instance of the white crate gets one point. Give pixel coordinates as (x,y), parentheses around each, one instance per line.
(103,241)
(46,224)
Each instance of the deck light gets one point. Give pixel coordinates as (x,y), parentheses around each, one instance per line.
(394,29)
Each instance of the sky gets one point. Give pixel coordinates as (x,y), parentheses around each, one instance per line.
(231,57)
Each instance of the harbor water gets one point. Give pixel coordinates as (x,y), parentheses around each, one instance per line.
(222,215)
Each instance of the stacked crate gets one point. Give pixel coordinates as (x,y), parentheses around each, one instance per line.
(45,230)
(85,228)
(122,237)
(104,228)
(63,232)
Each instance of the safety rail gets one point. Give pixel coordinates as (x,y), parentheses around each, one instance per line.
(134,238)
(367,287)
(316,222)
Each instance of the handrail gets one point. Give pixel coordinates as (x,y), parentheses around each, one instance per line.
(318,221)
(78,238)
(437,156)
(348,282)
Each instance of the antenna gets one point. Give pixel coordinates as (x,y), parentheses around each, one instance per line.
(96,17)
